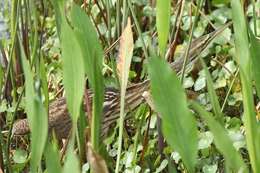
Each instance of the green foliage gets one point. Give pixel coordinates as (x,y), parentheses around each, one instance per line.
(52,157)
(92,56)
(51,60)
(212,94)
(222,141)
(73,70)
(178,125)
(244,61)
(71,163)
(163,12)
(255,54)
(37,116)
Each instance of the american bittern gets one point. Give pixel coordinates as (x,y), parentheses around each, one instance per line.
(59,119)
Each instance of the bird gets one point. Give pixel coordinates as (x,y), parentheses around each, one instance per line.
(59,119)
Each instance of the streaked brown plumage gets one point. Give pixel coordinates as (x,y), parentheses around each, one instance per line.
(59,119)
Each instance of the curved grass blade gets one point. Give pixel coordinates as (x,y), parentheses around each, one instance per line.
(244,61)
(123,66)
(37,116)
(178,125)
(73,70)
(92,56)
(52,157)
(233,159)
(212,94)
(255,54)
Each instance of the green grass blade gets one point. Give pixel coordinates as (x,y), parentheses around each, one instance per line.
(58,8)
(43,78)
(72,162)
(163,12)
(52,157)
(37,116)
(244,61)
(212,94)
(92,56)
(255,54)
(123,66)
(178,125)
(222,141)
(73,70)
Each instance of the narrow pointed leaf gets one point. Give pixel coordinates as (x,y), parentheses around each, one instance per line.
(73,70)
(123,66)
(52,157)
(125,54)
(92,56)
(233,159)
(212,94)
(36,114)
(255,54)
(244,62)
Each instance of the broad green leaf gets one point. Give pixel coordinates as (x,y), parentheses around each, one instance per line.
(212,94)
(163,12)
(244,62)
(36,114)
(255,54)
(178,124)
(73,70)
(123,66)
(92,56)
(222,141)
(52,157)
(71,162)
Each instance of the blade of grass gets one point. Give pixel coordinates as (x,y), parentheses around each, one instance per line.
(212,94)
(37,115)
(222,141)
(186,55)
(123,66)
(178,125)
(92,56)
(52,157)
(244,61)
(255,54)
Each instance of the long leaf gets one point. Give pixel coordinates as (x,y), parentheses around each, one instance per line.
(73,70)
(224,144)
(92,56)
(52,157)
(244,61)
(163,8)
(37,116)
(178,125)
(255,54)
(123,66)
(212,94)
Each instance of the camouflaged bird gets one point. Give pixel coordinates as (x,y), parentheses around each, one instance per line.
(59,119)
